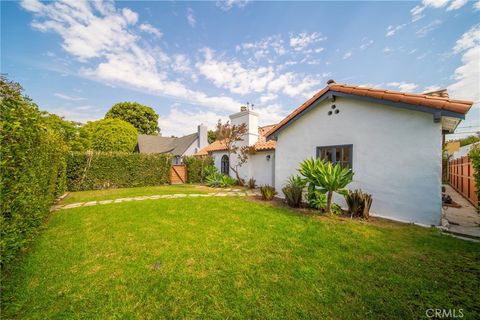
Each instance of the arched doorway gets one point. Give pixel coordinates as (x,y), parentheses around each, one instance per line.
(225,165)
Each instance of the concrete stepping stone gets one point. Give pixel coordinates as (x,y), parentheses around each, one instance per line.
(90,203)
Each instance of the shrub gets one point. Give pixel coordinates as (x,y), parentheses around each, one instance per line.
(104,170)
(268,192)
(252,183)
(293,191)
(326,177)
(33,169)
(110,135)
(317,199)
(197,167)
(226,181)
(359,203)
(474,155)
(336,209)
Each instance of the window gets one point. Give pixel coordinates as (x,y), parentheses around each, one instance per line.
(225,165)
(337,154)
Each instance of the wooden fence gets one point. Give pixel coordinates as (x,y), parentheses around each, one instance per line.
(460,173)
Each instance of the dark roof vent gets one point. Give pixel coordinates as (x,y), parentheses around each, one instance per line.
(331,81)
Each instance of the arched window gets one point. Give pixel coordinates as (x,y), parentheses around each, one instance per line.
(225,167)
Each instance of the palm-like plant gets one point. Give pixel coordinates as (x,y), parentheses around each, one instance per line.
(326,177)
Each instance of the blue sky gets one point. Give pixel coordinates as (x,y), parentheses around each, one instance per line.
(196,62)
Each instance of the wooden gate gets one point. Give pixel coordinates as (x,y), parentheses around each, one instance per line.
(178,174)
(460,173)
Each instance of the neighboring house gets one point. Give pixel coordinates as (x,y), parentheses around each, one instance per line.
(260,164)
(391,140)
(183,146)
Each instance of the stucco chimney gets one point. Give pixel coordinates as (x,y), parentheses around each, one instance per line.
(202,136)
(250,118)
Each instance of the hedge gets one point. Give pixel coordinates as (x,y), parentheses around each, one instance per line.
(474,155)
(106,170)
(33,169)
(195,166)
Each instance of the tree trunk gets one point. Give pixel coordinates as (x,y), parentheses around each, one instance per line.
(329,201)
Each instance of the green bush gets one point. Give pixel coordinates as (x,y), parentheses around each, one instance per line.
(359,203)
(268,192)
(474,155)
(226,181)
(196,167)
(33,169)
(105,170)
(293,191)
(110,135)
(317,199)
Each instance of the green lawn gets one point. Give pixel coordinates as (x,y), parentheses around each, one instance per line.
(228,258)
(107,194)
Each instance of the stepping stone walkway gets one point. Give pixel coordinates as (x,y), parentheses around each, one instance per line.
(224,193)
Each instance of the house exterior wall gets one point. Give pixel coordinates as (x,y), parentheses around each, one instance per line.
(192,149)
(396,155)
(257,166)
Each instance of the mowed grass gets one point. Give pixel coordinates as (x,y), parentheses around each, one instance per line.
(231,258)
(107,194)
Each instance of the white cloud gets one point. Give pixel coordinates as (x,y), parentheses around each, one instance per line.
(226,5)
(148,28)
(422,32)
(468,40)
(403,86)
(347,55)
(387,50)
(179,122)
(391,30)
(67,97)
(108,43)
(303,40)
(431,88)
(417,11)
(476,6)
(456,4)
(264,48)
(467,76)
(181,63)
(268,97)
(366,44)
(191,18)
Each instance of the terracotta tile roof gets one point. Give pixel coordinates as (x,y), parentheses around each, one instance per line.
(443,93)
(431,100)
(261,145)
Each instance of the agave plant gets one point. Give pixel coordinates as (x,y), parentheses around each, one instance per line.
(359,203)
(325,177)
(293,191)
(268,192)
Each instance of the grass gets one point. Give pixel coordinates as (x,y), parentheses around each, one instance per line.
(233,258)
(107,194)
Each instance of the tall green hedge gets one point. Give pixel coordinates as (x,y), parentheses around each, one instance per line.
(105,170)
(195,166)
(32,169)
(474,155)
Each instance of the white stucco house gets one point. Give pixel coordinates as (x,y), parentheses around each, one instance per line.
(187,145)
(260,164)
(391,140)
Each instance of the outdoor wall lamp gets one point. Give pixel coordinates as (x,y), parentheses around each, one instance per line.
(268,157)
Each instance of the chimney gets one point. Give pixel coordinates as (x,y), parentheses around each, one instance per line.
(250,118)
(202,136)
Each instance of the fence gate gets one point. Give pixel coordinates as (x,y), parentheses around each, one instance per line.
(460,173)
(178,174)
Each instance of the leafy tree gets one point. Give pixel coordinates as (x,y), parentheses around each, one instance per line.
(141,117)
(110,135)
(469,140)
(474,155)
(231,135)
(212,136)
(325,177)
(68,130)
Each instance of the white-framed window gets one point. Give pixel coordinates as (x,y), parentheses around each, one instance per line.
(342,154)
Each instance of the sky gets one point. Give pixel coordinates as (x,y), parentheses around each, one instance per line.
(196,62)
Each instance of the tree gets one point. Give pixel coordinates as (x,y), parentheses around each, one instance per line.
(141,117)
(469,140)
(110,135)
(326,177)
(231,135)
(68,130)
(212,136)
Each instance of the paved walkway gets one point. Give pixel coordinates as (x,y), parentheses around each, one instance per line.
(224,193)
(463,221)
